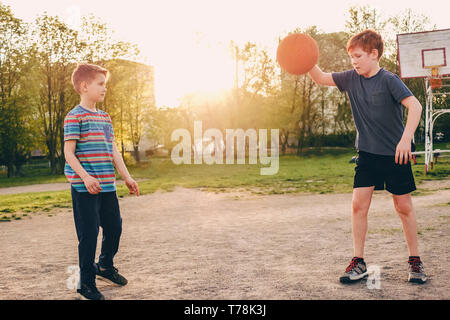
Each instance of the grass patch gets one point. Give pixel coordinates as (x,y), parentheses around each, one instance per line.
(308,174)
(392,231)
(443,204)
(422,192)
(441,169)
(420,232)
(34,202)
(325,173)
(31,176)
(5,219)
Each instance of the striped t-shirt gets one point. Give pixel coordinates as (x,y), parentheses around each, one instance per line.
(94,134)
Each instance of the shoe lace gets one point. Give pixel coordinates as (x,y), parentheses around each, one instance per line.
(114,272)
(352,265)
(416,265)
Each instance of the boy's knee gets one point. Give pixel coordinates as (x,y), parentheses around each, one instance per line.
(359,208)
(403,208)
(114,227)
(88,235)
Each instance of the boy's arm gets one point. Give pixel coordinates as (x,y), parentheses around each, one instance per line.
(92,184)
(320,77)
(123,171)
(403,150)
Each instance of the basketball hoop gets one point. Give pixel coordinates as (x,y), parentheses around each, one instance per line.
(435,79)
(425,55)
(436,83)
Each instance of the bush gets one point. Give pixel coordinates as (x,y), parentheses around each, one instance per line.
(331,140)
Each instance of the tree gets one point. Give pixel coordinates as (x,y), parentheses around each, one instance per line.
(335,107)
(15,139)
(99,45)
(165,121)
(365,17)
(140,104)
(58,49)
(130,101)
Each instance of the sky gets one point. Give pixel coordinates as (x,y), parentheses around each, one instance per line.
(187,42)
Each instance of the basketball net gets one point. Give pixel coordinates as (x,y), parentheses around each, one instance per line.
(436,78)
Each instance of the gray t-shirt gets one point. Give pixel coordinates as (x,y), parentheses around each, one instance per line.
(376,107)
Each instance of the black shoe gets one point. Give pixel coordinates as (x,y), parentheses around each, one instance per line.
(110,275)
(90,292)
(356,271)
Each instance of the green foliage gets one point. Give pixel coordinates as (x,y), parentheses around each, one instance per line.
(16,121)
(36,92)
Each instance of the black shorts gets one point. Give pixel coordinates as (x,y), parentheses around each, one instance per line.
(378,170)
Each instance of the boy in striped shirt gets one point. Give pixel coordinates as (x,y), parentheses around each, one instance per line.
(91,155)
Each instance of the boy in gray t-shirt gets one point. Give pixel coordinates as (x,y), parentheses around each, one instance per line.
(377,97)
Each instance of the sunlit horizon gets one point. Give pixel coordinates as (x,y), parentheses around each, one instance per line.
(188,42)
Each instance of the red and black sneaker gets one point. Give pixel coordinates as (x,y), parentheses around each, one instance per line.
(356,271)
(416,272)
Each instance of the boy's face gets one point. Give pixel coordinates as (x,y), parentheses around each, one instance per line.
(362,61)
(95,89)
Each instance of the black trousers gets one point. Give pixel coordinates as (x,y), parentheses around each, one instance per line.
(90,212)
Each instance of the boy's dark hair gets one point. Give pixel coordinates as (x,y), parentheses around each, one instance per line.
(86,72)
(367,40)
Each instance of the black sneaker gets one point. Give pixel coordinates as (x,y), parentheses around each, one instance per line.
(416,272)
(356,271)
(110,275)
(90,292)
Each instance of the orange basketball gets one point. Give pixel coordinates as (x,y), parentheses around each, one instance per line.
(297,53)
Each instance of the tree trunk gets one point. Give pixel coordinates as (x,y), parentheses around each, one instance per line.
(18,170)
(136,153)
(9,169)
(299,146)
(284,141)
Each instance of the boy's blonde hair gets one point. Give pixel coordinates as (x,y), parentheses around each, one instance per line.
(367,40)
(86,72)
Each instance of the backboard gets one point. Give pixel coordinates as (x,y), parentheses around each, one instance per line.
(420,51)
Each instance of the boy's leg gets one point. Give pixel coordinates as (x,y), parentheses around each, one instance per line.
(362,198)
(357,270)
(400,182)
(404,207)
(111,223)
(85,208)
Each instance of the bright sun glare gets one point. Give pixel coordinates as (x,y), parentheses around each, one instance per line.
(196,67)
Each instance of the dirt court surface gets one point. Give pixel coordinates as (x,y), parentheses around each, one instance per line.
(191,244)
